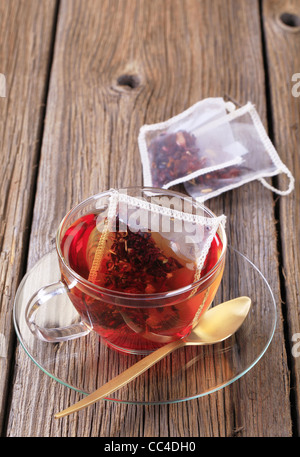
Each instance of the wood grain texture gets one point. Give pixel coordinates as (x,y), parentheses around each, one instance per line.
(283,44)
(172,53)
(26,37)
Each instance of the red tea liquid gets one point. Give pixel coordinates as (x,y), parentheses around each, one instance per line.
(137,263)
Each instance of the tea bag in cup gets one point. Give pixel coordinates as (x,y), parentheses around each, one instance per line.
(152,246)
(143,242)
(259,159)
(182,148)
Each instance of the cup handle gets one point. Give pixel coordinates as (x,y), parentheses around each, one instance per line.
(52,335)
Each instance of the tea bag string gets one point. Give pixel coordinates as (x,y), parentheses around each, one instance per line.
(203,255)
(108,225)
(250,109)
(202,304)
(278,191)
(198,271)
(281,167)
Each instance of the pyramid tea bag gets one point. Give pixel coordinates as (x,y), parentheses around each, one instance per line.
(146,246)
(181,148)
(259,159)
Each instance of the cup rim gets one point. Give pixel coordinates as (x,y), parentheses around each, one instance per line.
(131,296)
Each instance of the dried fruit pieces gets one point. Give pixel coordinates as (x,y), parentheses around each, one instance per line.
(174,155)
(213,180)
(134,264)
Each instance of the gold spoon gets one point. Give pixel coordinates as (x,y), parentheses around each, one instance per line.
(214,326)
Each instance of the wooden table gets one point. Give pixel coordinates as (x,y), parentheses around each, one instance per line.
(82,77)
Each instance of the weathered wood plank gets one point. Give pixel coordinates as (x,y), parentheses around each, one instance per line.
(172,53)
(25,47)
(282,30)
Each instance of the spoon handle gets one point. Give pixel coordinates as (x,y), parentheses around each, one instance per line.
(123,378)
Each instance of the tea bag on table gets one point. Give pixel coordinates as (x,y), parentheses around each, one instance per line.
(182,148)
(259,159)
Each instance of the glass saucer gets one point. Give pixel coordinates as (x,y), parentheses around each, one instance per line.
(86,363)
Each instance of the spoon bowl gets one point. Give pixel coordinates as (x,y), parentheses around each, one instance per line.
(220,322)
(214,326)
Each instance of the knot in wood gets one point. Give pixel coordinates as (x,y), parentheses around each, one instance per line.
(128,81)
(289,21)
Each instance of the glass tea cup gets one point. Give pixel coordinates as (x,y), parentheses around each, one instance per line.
(138,302)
